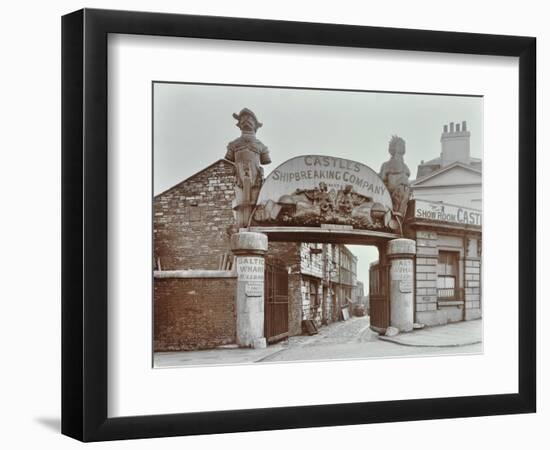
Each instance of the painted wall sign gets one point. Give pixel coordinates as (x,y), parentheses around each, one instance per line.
(401,270)
(441,212)
(311,190)
(250,268)
(254,289)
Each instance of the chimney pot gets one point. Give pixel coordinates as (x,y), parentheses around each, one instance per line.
(445,128)
(455,145)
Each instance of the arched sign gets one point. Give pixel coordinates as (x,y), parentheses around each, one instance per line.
(312,190)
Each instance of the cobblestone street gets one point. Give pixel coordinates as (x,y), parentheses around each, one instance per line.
(355,329)
(352,339)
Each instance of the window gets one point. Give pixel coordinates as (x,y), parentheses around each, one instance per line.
(446,282)
(447,275)
(313,294)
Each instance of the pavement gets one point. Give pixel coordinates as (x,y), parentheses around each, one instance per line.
(450,335)
(216,356)
(352,339)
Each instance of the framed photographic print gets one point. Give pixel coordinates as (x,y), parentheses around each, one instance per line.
(273,224)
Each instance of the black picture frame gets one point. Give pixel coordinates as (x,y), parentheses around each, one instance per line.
(84,224)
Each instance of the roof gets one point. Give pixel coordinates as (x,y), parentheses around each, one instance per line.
(432,162)
(442,170)
(221,160)
(437,161)
(428,167)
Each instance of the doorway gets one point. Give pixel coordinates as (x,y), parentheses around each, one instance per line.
(276,300)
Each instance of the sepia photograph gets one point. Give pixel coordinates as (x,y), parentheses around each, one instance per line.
(298,224)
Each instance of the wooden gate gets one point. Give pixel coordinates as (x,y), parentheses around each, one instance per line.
(379,301)
(276,300)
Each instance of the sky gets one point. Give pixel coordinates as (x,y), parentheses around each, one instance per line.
(193,123)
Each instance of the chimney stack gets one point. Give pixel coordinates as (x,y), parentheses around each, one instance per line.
(455,144)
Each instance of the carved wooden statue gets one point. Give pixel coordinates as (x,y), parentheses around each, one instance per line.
(395,175)
(248,153)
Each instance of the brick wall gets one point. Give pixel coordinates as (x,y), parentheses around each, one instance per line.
(309,311)
(311,263)
(193,221)
(194,313)
(294,304)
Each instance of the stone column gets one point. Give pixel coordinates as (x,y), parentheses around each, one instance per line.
(250,249)
(400,253)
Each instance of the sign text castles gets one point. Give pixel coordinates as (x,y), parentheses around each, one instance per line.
(331,170)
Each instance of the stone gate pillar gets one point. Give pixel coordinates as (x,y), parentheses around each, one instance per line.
(250,249)
(400,253)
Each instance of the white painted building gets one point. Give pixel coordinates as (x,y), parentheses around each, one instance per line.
(445,219)
(454,177)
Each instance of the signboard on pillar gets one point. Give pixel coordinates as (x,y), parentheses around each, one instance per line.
(249,249)
(250,268)
(401,270)
(250,274)
(401,253)
(254,289)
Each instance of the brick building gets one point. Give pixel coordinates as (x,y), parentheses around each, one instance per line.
(195,278)
(193,220)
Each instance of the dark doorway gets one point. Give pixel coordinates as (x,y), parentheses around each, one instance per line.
(276,300)
(379,303)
